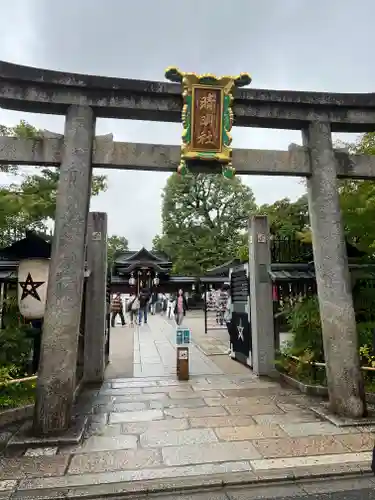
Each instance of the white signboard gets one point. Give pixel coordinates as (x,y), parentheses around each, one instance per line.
(183,354)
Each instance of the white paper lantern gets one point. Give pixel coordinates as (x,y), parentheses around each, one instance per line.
(32,287)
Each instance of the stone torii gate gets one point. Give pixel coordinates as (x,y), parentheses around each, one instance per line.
(82,98)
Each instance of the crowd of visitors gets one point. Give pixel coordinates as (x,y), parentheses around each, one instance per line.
(139,306)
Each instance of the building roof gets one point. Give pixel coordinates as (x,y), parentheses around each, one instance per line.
(132,265)
(223,268)
(142,255)
(306,272)
(292,275)
(32,246)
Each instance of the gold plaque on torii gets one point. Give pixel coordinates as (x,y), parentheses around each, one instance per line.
(207,118)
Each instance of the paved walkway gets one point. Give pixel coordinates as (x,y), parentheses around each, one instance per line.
(215,342)
(153,431)
(121,348)
(155,351)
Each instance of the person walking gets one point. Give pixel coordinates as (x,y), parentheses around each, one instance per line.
(144,298)
(170,306)
(153,302)
(228,322)
(163,302)
(117,309)
(180,307)
(221,303)
(133,309)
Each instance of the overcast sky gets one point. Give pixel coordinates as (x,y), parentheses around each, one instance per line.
(322,45)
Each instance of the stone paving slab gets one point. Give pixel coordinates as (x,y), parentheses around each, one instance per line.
(289,447)
(228,486)
(106,461)
(152,439)
(209,453)
(104,443)
(156,426)
(18,468)
(314,429)
(207,411)
(284,418)
(133,475)
(188,403)
(310,461)
(135,416)
(221,421)
(357,442)
(248,432)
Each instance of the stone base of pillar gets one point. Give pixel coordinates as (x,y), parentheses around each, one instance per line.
(324,412)
(25,438)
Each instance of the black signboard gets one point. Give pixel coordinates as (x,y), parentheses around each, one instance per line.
(240,326)
(241,336)
(239,286)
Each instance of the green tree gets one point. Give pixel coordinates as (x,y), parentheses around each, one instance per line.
(115,246)
(287,219)
(28,204)
(357,199)
(203,217)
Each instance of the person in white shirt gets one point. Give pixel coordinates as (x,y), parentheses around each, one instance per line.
(170,306)
(133,308)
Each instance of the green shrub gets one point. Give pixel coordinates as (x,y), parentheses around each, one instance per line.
(364,300)
(15,346)
(15,349)
(307,341)
(17,394)
(304,324)
(365,333)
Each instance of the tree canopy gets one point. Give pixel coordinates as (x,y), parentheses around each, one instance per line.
(115,246)
(287,218)
(203,217)
(31,202)
(358,201)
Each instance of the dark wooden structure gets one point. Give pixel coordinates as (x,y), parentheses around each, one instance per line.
(133,270)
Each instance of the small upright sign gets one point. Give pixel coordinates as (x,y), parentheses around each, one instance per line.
(182,336)
(182,353)
(182,367)
(207,119)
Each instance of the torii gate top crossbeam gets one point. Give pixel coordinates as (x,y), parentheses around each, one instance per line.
(38,90)
(162,158)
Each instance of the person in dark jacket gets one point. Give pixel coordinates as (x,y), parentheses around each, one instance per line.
(181,306)
(144,298)
(153,301)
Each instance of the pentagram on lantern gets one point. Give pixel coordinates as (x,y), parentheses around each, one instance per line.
(29,288)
